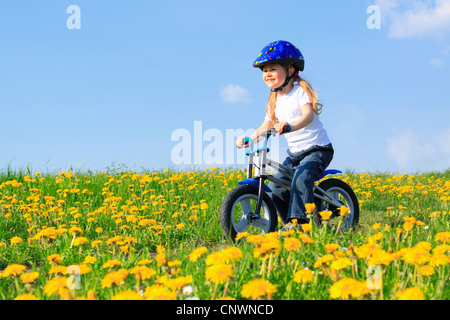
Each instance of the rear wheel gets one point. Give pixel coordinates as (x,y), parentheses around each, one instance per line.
(343,193)
(237,213)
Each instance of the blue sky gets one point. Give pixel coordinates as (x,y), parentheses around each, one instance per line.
(116,90)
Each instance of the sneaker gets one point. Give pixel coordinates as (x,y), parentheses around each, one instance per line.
(291,226)
(288,227)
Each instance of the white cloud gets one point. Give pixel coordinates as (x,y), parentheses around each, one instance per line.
(436,62)
(413,18)
(413,152)
(234,94)
(446,50)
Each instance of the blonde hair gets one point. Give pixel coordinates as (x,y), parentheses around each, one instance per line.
(312,95)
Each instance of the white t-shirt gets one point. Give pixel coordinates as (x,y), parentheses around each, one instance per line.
(289,109)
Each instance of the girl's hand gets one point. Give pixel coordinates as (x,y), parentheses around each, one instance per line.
(279,126)
(240,142)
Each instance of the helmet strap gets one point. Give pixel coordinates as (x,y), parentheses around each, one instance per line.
(286,82)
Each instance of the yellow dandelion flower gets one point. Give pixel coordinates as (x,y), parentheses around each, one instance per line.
(159,292)
(115,277)
(116,239)
(29,277)
(292,244)
(348,287)
(174,263)
(13,270)
(307,227)
(376,226)
(258,288)
(442,248)
(408,226)
(56,286)
(288,233)
(439,259)
(426,271)
(306,239)
(325,214)
(219,273)
(75,230)
(79,241)
(330,247)
(424,245)
(26,296)
(224,256)
(376,237)
(303,276)
(380,257)
(142,272)
(127,295)
(111,263)
(58,269)
(90,260)
(255,238)
(416,255)
(79,269)
(310,207)
(96,243)
(197,253)
(341,263)
(161,259)
(54,258)
(442,236)
(215,258)
(410,294)
(232,254)
(16,240)
(326,259)
(178,283)
(145,222)
(269,245)
(241,235)
(344,211)
(160,249)
(145,261)
(365,250)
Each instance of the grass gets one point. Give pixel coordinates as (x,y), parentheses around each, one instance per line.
(86,220)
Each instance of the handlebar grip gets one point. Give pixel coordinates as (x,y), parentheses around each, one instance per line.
(287,129)
(246,140)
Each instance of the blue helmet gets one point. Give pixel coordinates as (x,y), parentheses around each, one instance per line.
(282,52)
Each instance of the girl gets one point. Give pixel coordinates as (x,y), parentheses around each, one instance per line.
(293,102)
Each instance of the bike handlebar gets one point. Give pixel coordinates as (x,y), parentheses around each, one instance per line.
(269,133)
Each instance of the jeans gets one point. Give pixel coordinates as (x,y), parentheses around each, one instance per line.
(309,165)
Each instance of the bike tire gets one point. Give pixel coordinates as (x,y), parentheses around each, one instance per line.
(248,195)
(344,194)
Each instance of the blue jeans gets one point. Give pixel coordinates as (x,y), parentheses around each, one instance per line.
(307,166)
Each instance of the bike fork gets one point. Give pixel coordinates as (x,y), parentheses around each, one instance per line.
(256,214)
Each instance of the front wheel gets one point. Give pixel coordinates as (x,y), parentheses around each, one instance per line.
(342,193)
(237,212)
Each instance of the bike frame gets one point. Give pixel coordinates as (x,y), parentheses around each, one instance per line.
(263,162)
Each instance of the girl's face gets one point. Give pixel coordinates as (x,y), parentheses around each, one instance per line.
(274,75)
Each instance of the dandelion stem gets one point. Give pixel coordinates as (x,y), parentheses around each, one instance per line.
(381,286)
(225,290)
(262,272)
(215,290)
(269,267)
(337,229)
